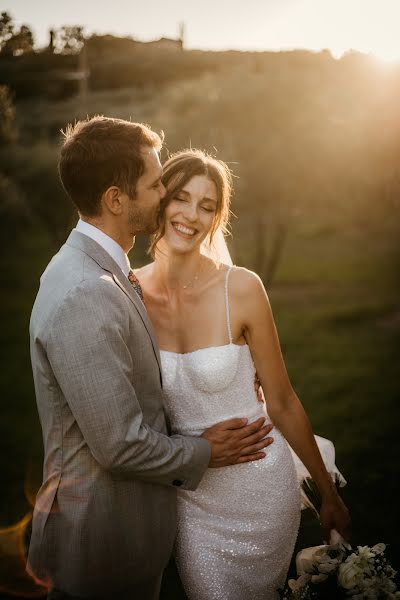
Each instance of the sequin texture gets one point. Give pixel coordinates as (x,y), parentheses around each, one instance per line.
(237,530)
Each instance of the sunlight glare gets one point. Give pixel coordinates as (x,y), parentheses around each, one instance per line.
(340,26)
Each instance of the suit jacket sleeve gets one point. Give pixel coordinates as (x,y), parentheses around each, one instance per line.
(87,347)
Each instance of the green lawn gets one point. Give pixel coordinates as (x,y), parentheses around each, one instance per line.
(336,306)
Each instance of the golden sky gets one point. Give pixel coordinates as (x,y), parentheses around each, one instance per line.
(365,25)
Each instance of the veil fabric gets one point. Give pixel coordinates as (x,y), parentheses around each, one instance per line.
(218,250)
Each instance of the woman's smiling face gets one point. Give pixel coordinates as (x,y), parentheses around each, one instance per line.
(190,214)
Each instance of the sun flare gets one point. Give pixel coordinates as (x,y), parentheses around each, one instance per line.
(339,26)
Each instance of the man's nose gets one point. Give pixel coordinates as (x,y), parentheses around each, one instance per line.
(163,191)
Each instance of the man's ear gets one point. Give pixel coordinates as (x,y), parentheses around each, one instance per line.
(112,200)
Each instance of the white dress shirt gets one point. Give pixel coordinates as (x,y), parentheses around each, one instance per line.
(107,243)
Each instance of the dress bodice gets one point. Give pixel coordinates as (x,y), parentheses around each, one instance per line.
(210,384)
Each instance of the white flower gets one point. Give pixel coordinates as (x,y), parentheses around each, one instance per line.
(349,574)
(365,552)
(353,560)
(307,558)
(357,567)
(379,548)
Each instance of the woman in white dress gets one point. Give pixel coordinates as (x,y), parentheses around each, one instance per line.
(237,530)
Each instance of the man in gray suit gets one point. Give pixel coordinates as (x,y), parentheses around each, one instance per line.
(104,519)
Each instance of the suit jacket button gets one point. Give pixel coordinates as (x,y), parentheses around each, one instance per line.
(177,482)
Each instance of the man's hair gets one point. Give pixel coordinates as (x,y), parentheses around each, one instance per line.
(102,152)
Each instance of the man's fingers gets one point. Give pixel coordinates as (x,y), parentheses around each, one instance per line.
(255,427)
(251,457)
(233,442)
(256,437)
(256,447)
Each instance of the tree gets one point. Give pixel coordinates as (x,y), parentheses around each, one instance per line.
(19,43)
(6,28)
(7,116)
(69,40)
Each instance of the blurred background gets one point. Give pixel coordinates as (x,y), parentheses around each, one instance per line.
(302,99)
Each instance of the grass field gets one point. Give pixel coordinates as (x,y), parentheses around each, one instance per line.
(336,308)
(335,300)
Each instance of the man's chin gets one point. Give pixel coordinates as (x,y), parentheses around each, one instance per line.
(152,229)
(148,230)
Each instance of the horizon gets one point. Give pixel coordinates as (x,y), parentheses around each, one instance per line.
(269,25)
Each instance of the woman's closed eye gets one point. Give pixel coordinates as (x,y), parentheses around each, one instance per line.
(207,208)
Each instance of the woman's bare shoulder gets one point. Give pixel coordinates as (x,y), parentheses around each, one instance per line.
(242,281)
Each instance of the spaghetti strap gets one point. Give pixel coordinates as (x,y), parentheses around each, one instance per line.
(228,320)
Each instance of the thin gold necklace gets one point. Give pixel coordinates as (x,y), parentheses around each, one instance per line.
(191,283)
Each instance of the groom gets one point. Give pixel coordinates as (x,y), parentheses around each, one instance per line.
(104,519)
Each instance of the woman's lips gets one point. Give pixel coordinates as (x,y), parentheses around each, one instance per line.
(184,230)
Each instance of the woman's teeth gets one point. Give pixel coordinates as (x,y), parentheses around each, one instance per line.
(183,229)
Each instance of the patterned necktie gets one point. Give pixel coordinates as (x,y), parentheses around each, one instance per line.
(136,285)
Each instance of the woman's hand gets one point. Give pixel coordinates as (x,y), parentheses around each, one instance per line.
(335,515)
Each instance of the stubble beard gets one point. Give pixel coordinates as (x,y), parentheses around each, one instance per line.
(140,223)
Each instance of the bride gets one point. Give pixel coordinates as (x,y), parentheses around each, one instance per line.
(237,530)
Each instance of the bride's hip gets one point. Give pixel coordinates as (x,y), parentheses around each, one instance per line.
(274,474)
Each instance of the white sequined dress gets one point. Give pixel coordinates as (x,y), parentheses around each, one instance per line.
(237,530)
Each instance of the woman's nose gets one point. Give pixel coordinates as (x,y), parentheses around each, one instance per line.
(190,211)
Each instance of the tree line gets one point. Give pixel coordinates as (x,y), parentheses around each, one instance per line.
(310,138)
(16,42)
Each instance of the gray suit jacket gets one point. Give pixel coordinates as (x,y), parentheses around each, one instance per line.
(105,514)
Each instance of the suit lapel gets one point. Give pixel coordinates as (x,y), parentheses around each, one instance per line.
(127,287)
(103,259)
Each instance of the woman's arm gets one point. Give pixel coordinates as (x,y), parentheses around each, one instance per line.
(251,314)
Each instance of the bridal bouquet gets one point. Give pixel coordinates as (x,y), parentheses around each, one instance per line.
(338,571)
(335,571)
